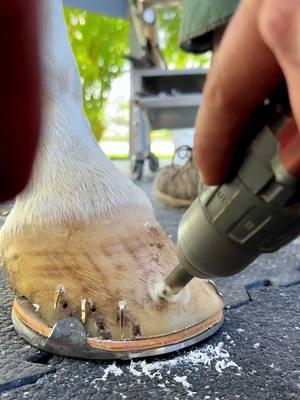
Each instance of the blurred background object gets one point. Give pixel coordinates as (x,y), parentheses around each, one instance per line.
(114,51)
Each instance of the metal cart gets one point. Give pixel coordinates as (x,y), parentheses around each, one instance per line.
(160,98)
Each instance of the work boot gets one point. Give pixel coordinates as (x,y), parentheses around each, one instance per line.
(176,185)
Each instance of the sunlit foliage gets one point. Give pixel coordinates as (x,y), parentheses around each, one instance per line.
(99,44)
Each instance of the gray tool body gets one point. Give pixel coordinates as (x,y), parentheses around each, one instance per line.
(229,226)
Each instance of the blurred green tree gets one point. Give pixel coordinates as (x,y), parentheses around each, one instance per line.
(169,23)
(99,44)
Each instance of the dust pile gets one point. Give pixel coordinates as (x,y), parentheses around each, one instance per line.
(210,356)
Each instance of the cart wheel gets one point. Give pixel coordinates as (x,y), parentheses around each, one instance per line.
(153,162)
(136,169)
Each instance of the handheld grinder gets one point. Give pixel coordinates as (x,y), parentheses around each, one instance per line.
(256,210)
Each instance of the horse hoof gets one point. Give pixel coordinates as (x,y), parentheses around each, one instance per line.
(86,290)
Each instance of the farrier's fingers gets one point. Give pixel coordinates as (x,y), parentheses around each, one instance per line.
(279,24)
(243,72)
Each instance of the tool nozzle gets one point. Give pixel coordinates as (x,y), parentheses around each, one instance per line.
(175,282)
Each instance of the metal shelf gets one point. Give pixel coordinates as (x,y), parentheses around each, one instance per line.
(170,112)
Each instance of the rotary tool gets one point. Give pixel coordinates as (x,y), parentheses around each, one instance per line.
(256,210)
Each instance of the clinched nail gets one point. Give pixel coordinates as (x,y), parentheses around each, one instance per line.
(215,287)
(122,318)
(57,294)
(83,307)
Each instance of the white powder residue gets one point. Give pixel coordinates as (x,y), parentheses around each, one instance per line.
(239,330)
(113,370)
(208,357)
(133,371)
(183,381)
(223,364)
(226,335)
(147,369)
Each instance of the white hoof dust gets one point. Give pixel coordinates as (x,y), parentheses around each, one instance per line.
(165,372)
(156,293)
(111,370)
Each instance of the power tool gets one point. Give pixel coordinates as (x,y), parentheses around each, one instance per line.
(255,211)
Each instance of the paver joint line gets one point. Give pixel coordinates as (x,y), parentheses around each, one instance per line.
(29,380)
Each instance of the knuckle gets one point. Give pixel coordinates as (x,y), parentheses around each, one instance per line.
(277,19)
(279,25)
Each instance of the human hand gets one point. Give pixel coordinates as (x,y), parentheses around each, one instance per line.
(260,47)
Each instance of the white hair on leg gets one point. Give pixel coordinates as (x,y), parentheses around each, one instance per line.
(72,180)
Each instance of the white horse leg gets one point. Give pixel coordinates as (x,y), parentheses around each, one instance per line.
(82,238)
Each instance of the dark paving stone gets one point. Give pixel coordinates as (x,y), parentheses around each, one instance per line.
(16,369)
(255,356)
